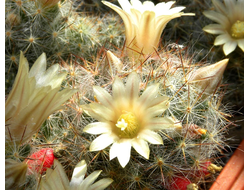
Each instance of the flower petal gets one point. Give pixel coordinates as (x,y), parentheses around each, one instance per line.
(126,6)
(168,5)
(60,176)
(161,22)
(146,29)
(148,95)
(157,101)
(19,97)
(102,111)
(175,10)
(141,146)
(103,96)
(160,123)
(102,142)
(90,179)
(156,110)
(114,149)
(229,47)
(132,87)
(78,173)
(148,5)
(51,77)
(80,169)
(126,17)
(135,18)
(45,77)
(240,10)
(121,149)
(217,17)
(97,128)
(219,6)
(230,6)
(124,153)
(151,137)
(214,29)
(101,184)
(88,110)
(222,39)
(135,3)
(162,8)
(61,97)
(39,67)
(118,89)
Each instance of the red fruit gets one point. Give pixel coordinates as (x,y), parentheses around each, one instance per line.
(40,160)
(179,183)
(203,171)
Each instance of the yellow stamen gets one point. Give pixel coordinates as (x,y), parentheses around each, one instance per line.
(129,125)
(237,29)
(212,168)
(121,124)
(95,98)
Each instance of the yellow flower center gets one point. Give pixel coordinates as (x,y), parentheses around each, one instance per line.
(237,29)
(128,124)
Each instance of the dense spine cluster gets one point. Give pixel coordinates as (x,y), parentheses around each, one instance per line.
(201,119)
(58,28)
(91,50)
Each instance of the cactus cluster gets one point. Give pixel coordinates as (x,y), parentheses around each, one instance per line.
(189,31)
(147,120)
(57,28)
(196,137)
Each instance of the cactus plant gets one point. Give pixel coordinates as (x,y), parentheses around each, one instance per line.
(123,101)
(57,28)
(198,121)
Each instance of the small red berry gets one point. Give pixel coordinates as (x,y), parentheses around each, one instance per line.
(204,168)
(41,160)
(179,183)
(203,171)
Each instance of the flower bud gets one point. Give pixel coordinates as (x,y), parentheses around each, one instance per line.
(114,62)
(208,78)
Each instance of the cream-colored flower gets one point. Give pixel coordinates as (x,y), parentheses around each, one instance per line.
(127,119)
(34,96)
(230,27)
(57,179)
(145,22)
(208,78)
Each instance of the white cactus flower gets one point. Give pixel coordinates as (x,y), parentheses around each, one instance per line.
(34,96)
(56,179)
(144,22)
(230,24)
(126,119)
